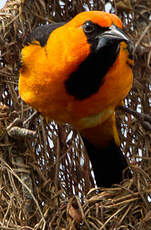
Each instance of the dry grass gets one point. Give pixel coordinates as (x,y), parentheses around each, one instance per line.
(45,179)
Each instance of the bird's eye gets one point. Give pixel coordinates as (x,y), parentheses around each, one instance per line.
(88,27)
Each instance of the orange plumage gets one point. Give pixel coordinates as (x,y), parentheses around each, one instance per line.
(46,69)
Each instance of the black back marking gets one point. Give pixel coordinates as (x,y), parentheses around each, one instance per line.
(108,164)
(42,33)
(89,76)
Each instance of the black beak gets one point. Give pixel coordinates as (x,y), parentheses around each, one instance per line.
(112,38)
(115,33)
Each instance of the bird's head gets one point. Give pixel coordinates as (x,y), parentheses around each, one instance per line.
(94,42)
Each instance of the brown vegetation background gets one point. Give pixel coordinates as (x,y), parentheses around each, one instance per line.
(45,178)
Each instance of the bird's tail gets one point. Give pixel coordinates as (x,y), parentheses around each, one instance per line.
(109,164)
(103,148)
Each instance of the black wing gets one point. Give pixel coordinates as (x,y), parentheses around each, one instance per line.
(41,33)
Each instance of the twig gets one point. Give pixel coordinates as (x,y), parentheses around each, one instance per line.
(142,36)
(140,116)
(30,118)
(144,119)
(17,121)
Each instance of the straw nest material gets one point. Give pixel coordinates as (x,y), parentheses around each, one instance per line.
(45,178)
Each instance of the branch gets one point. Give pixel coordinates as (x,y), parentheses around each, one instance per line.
(144,119)
(142,36)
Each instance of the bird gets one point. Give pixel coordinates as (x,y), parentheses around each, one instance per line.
(78,72)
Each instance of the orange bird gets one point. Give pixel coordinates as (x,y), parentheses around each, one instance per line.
(79,72)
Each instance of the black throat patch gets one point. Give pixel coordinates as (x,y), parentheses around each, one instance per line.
(90,75)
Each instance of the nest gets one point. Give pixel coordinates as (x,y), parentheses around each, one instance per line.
(46,181)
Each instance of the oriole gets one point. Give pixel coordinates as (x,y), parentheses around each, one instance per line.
(78,72)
